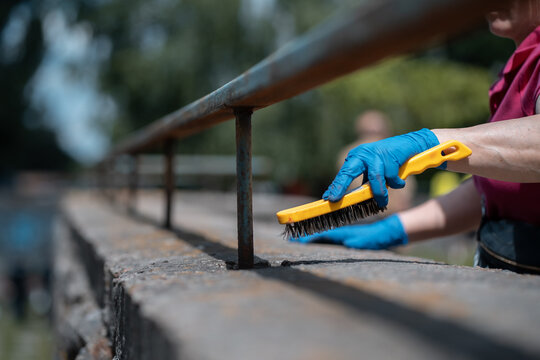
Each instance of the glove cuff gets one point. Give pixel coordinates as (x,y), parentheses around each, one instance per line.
(429,140)
(399,236)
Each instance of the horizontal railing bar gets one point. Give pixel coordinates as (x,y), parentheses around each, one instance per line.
(355,39)
(195,165)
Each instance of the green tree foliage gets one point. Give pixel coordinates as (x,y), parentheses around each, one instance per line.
(169,53)
(306,134)
(416,93)
(166,54)
(479,48)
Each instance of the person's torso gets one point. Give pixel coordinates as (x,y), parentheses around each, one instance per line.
(514,96)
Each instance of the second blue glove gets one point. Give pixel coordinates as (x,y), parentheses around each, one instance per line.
(376,236)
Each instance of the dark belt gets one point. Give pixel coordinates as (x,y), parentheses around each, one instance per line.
(511,245)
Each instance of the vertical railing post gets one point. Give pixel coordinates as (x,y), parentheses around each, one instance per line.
(244,187)
(169,182)
(133,183)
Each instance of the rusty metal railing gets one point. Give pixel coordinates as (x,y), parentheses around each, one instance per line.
(373,31)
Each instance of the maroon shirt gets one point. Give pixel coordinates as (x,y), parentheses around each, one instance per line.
(513,96)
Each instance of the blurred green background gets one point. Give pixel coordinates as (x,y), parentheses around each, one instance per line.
(140,60)
(168,54)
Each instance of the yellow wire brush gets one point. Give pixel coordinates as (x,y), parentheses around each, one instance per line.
(324,215)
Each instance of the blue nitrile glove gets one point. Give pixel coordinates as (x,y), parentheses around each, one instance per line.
(376,236)
(379,162)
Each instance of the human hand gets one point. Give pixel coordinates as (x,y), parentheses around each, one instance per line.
(375,236)
(379,162)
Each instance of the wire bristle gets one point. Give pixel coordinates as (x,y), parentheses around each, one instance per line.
(341,217)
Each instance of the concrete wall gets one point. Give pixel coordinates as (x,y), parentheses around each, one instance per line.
(126,288)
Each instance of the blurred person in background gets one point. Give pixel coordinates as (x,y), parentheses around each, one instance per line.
(371,126)
(501,200)
(24,249)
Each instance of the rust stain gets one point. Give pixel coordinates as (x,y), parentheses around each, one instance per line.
(100,350)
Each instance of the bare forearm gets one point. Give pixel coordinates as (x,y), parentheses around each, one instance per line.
(505,150)
(456,212)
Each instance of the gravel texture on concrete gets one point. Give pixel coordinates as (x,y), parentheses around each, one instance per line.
(174,294)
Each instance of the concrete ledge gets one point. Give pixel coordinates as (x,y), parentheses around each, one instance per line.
(169,295)
(79,324)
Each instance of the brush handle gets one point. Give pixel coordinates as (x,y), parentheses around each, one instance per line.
(451,150)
